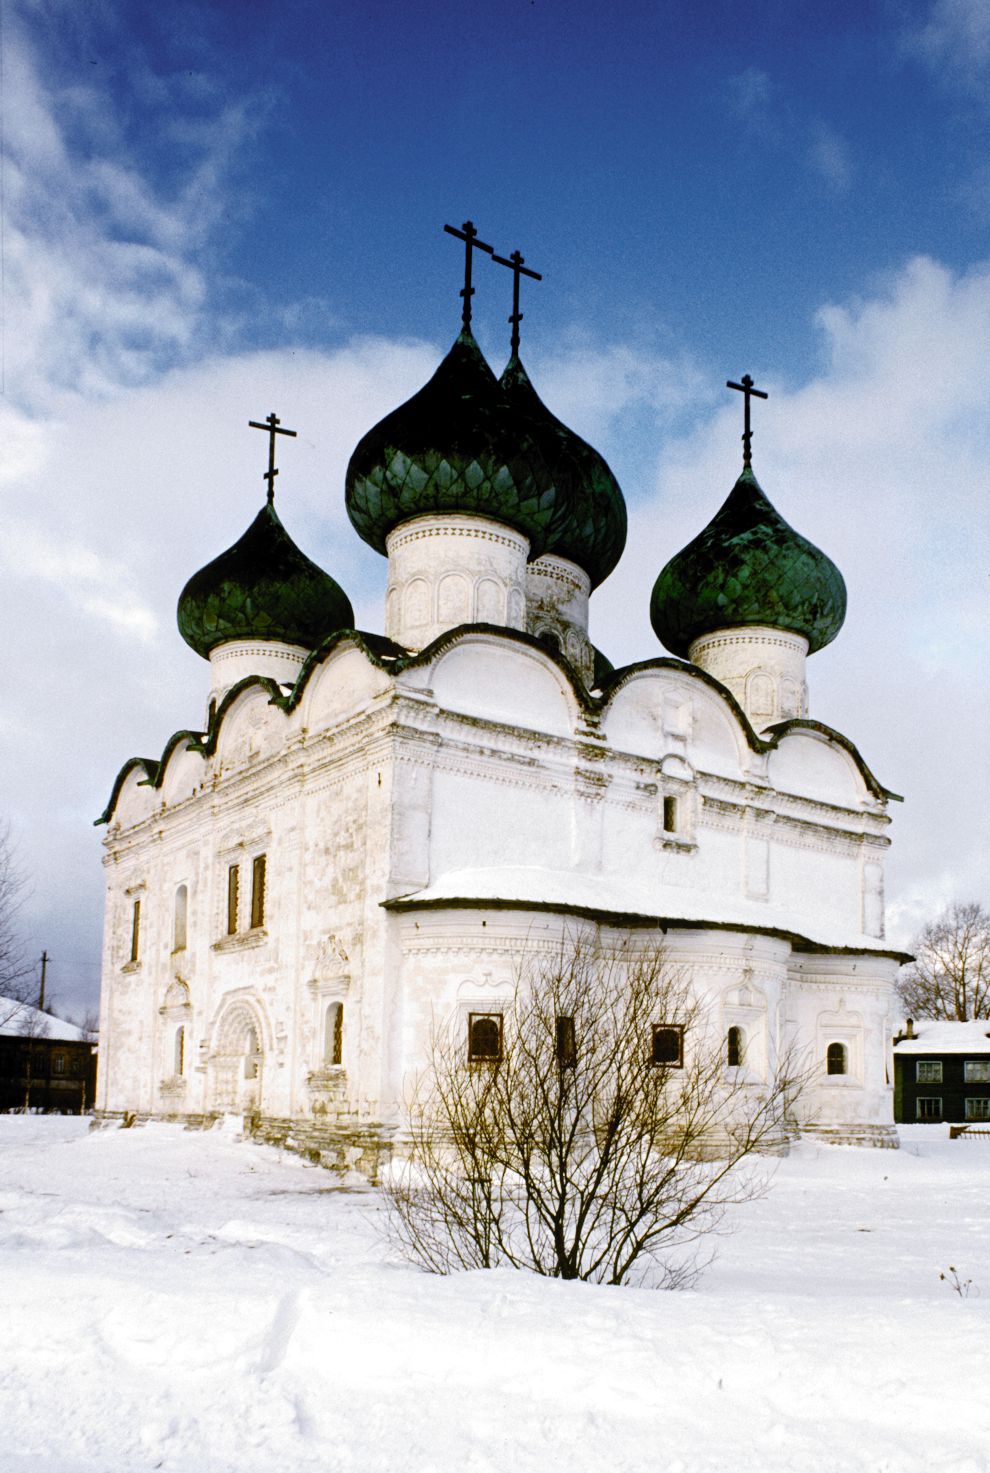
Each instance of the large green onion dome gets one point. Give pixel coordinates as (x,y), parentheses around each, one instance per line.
(589,525)
(262,588)
(748,567)
(455,446)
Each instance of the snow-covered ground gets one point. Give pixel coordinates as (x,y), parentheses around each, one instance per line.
(186,1301)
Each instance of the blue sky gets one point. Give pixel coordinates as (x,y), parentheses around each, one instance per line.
(215,210)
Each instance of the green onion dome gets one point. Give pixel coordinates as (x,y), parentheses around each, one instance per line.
(262,588)
(455,446)
(748,567)
(589,525)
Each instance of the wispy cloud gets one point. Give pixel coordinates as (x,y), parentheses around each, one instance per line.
(767,113)
(955,43)
(750,97)
(828,156)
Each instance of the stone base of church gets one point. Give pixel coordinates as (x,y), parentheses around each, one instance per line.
(883,1137)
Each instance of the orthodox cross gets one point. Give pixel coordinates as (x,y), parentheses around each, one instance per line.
(274,427)
(748,392)
(515,265)
(469,235)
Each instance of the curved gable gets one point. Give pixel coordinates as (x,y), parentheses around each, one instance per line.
(510,683)
(814,765)
(661,707)
(343,684)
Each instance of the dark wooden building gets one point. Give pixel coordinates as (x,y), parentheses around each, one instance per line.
(942,1072)
(45,1064)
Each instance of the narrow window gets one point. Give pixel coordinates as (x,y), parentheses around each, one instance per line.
(929,1107)
(233,896)
(976,1071)
(668,1045)
(928,1071)
(58,1064)
(978,1108)
(258,892)
(835,1059)
(333,1034)
(179,1051)
(734,1047)
(670,815)
(566,1045)
(484,1037)
(135,930)
(181,911)
(252,1054)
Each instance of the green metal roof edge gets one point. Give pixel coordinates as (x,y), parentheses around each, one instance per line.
(383,659)
(802,944)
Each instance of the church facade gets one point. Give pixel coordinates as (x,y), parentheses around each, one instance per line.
(370,833)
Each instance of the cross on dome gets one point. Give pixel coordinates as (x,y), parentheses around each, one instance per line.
(469,235)
(274,427)
(515,265)
(748,391)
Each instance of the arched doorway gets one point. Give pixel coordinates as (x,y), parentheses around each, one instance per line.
(237,1060)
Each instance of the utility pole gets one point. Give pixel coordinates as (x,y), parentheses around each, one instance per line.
(44,969)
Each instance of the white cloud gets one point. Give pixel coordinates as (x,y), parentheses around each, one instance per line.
(955,42)
(828,156)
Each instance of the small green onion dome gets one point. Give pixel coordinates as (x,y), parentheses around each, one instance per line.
(589,526)
(453,447)
(748,567)
(262,588)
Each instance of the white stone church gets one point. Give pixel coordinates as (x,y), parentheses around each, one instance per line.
(370,832)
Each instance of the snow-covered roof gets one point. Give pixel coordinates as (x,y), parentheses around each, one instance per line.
(625,896)
(24,1019)
(947,1038)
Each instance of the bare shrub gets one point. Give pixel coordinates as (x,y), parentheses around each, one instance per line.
(601,1141)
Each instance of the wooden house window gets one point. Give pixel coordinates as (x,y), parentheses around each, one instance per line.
(135,931)
(734,1047)
(233,897)
(566,1045)
(928,1071)
(181,913)
(928,1107)
(978,1108)
(836,1059)
(484,1038)
(258,892)
(58,1064)
(668,1045)
(976,1071)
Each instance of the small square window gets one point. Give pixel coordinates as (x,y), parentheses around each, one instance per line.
(976,1071)
(668,1045)
(929,1071)
(978,1109)
(484,1038)
(928,1107)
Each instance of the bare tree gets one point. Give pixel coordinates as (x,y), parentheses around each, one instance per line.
(950,976)
(16,979)
(593,1130)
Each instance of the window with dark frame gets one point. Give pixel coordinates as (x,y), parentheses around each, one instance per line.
(928,1107)
(566,1045)
(670,815)
(928,1071)
(668,1045)
(734,1046)
(976,1071)
(836,1059)
(233,897)
(258,869)
(333,1034)
(978,1107)
(135,931)
(484,1038)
